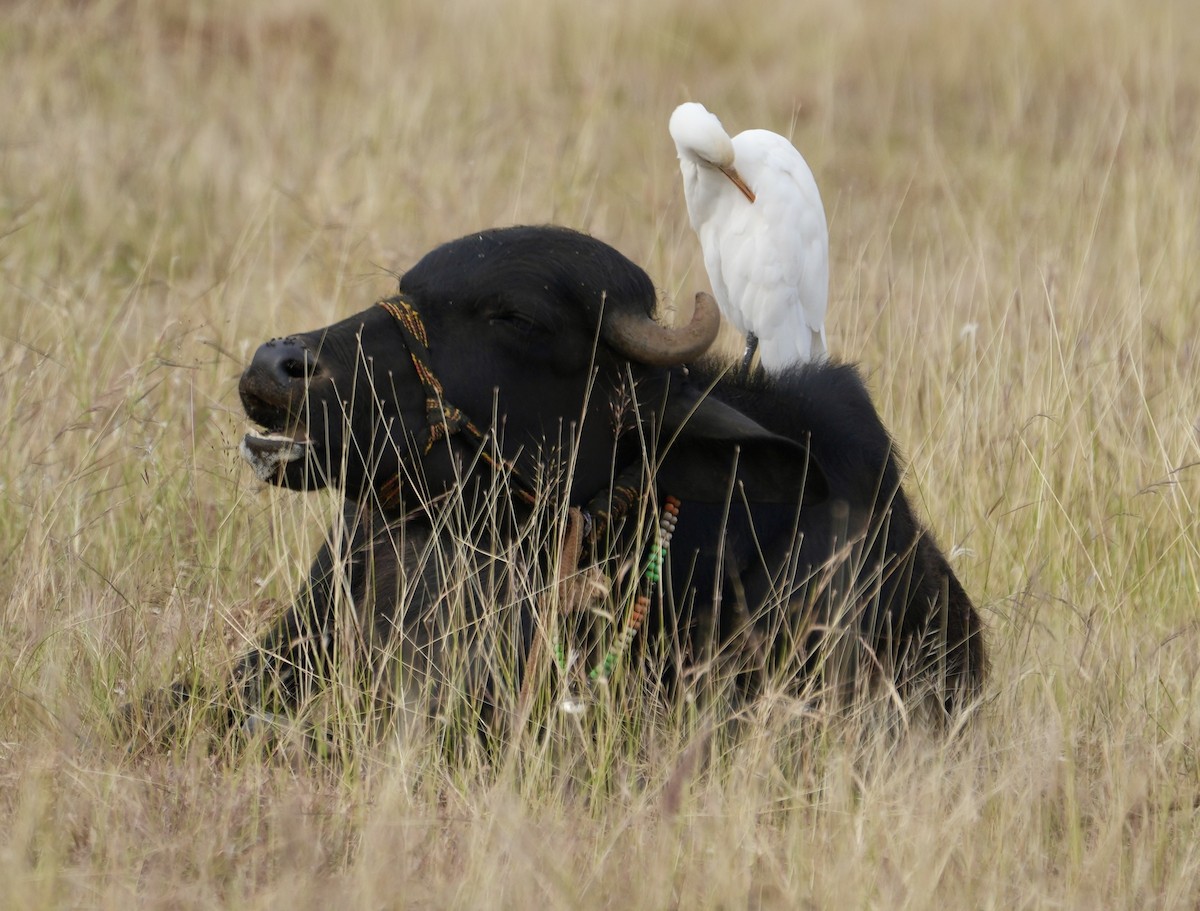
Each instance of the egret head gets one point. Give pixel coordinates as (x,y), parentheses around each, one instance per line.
(701,140)
(699,136)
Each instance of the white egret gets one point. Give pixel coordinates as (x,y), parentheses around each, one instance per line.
(754,204)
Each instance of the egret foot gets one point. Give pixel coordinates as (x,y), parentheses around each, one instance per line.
(748,357)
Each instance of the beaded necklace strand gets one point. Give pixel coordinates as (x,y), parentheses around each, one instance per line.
(641,604)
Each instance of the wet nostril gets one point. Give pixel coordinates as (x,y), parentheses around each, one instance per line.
(298,369)
(285,360)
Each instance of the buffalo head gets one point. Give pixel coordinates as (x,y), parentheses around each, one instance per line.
(546,318)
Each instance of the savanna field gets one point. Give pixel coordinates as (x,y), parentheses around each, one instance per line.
(1013,192)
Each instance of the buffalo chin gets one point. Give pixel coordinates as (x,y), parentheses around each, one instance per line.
(270,453)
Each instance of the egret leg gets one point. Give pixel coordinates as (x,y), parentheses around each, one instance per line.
(751,347)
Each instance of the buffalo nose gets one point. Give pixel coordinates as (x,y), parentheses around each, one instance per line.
(284,360)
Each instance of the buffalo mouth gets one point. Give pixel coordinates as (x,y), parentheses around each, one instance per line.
(279,439)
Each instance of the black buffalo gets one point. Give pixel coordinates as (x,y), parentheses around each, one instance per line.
(519,373)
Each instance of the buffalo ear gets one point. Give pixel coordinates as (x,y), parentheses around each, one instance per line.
(705,438)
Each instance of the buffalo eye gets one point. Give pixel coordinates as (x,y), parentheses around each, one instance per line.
(514,320)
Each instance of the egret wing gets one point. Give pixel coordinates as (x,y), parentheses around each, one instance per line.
(782,282)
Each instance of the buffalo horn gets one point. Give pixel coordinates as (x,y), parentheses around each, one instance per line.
(641,339)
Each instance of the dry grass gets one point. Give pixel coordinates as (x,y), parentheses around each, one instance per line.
(1013,190)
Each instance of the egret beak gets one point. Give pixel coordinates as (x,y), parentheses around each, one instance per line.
(733,175)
